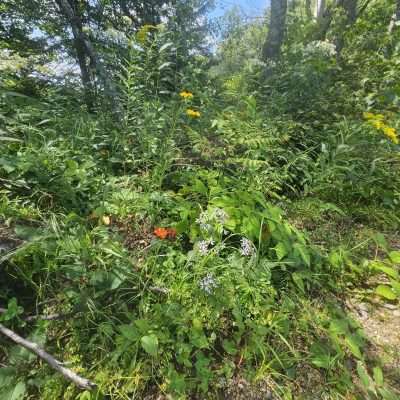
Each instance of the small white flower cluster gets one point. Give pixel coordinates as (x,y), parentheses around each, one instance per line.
(205,219)
(319,47)
(208,284)
(220,215)
(203,246)
(246,247)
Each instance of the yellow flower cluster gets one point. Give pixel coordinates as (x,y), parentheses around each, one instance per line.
(186,95)
(377,120)
(192,113)
(142,33)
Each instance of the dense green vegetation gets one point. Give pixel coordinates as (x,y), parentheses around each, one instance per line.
(197,217)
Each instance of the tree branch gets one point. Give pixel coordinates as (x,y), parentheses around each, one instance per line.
(82,383)
(49,317)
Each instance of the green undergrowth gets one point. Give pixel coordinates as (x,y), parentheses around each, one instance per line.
(189,250)
(239,291)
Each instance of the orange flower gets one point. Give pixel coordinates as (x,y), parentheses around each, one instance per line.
(165,233)
(161,233)
(171,233)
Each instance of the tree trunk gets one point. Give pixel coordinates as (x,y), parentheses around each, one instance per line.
(325,19)
(350,9)
(308,9)
(276,32)
(320,7)
(85,74)
(395,18)
(86,49)
(391,30)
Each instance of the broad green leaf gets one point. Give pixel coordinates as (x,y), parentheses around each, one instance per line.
(339,327)
(378,376)
(229,347)
(385,269)
(7,375)
(129,332)
(298,280)
(353,345)
(304,254)
(386,292)
(364,377)
(320,355)
(387,394)
(395,256)
(395,286)
(280,250)
(150,344)
(18,392)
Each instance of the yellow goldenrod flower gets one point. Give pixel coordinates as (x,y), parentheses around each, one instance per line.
(368,115)
(377,124)
(186,95)
(142,33)
(391,134)
(192,113)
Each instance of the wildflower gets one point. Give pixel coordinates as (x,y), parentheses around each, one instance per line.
(220,215)
(391,134)
(368,115)
(192,113)
(143,32)
(165,233)
(186,95)
(377,120)
(203,246)
(161,233)
(202,220)
(377,124)
(106,220)
(206,227)
(371,116)
(247,248)
(208,284)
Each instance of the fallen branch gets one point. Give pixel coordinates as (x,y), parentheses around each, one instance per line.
(82,383)
(160,290)
(49,317)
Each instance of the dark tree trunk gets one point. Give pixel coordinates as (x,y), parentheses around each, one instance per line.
(85,73)
(308,9)
(276,32)
(86,50)
(350,9)
(325,20)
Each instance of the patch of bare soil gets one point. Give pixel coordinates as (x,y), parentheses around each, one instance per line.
(381,324)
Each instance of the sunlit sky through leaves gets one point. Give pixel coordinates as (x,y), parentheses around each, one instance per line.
(250,8)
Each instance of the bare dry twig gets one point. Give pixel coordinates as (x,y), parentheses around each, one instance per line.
(49,317)
(82,383)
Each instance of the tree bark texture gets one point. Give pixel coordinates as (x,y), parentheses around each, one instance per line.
(276,32)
